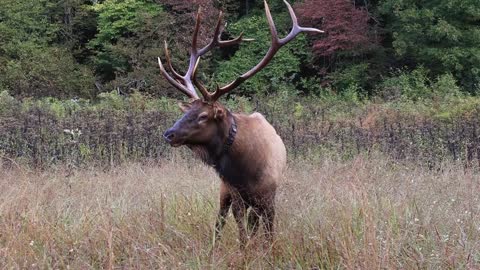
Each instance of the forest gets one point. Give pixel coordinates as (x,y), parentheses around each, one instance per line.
(380,48)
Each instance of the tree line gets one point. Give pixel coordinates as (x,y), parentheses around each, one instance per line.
(393,49)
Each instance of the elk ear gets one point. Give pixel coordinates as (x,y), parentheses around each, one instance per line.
(218,112)
(184,106)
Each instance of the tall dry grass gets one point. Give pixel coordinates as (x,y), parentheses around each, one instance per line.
(365,213)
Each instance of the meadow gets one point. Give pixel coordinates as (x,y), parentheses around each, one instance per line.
(368,186)
(367,212)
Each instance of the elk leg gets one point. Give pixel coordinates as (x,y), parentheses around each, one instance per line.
(239,210)
(253,221)
(225,203)
(268,217)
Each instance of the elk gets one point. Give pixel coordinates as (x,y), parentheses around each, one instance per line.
(245,150)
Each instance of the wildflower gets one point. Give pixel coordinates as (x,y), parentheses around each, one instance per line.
(74,132)
(445,237)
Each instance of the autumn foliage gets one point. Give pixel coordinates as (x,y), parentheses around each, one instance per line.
(346,26)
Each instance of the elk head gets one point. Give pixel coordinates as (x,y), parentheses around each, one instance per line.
(202,122)
(206,117)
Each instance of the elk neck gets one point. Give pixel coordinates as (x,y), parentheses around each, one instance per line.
(221,144)
(232,132)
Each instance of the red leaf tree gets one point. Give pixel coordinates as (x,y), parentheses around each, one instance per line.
(346,26)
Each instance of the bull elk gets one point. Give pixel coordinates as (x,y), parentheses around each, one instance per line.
(245,150)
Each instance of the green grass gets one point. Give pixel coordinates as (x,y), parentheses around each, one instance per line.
(365,213)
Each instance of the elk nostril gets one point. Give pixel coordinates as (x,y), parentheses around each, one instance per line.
(169,135)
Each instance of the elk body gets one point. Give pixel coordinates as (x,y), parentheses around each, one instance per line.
(245,150)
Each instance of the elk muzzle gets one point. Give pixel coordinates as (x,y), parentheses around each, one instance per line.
(173,137)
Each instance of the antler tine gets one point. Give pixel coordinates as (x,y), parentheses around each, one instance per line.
(198,84)
(169,63)
(271,25)
(196,54)
(195,32)
(296,28)
(193,51)
(216,36)
(274,47)
(175,83)
(216,41)
(237,40)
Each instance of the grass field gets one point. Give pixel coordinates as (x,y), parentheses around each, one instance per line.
(365,213)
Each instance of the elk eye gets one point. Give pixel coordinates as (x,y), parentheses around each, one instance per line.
(202,117)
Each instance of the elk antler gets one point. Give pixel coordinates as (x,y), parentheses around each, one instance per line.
(184,83)
(188,87)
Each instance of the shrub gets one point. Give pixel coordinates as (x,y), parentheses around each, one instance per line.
(352,76)
(49,71)
(446,86)
(7,102)
(416,86)
(406,85)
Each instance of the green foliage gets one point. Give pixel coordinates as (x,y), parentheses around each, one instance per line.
(38,71)
(26,20)
(352,93)
(117,21)
(416,85)
(446,86)
(312,85)
(240,104)
(120,18)
(111,100)
(442,35)
(283,70)
(135,102)
(410,85)
(348,89)
(8,104)
(30,63)
(350,77)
